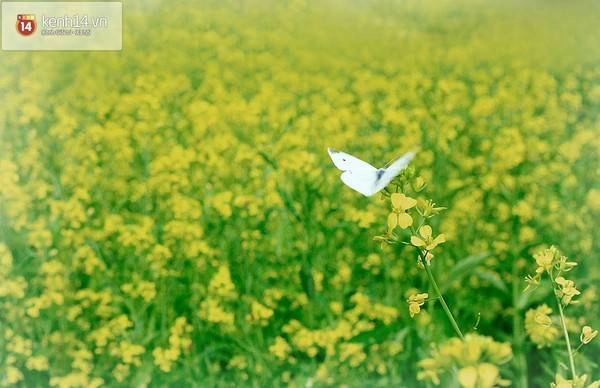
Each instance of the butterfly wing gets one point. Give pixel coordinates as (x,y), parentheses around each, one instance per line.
(347,162)
(364,178)
(357,174)
(362,181)
(393,170)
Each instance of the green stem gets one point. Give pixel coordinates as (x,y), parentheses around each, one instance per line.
(518,334)
(564,326)
(442,301)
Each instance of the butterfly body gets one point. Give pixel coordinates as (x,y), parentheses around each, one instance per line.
(363,177)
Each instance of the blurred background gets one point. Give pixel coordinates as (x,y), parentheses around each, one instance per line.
(169,215)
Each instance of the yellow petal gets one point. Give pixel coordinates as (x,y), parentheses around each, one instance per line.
(404,220)
(419,183)
(407,202)
(418,298)
(467,377)
(402,202)
(543,320)
(588,334)
(413,309)
(396,200)
(392,221)
(472,351)
(488,374)
(416,241)
(561,382)
(437,241)
(425,231)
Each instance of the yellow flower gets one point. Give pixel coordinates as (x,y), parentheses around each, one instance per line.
(336,307)
(221,283)
(538,325)
(212,311)
(129,352)
(476,357)
(259,313)
(578,382)
(398,217)
(425,238)
(140,288)
(467,377)
(428,208)
(120,372)
(13,375)
(280,349)
(564,265)
(543,319)
(162,360)
(353,353)
(419,183)
(238,362)
(567,290)
(485,375)
(546,258)
(415,301)
(532,281)
(588,334)
(39,363)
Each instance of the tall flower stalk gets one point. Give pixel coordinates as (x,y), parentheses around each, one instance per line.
(566,334)
(474,360)
(552,263)
(441,297)
(402,217)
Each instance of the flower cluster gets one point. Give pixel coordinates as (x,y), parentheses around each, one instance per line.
(477,358)
(578,382)
(404,211)
(398,217)
(415,301)
(179,343)
(540,327)
(553,263)
(221,291)
(425,240)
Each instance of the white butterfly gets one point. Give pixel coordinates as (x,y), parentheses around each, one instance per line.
(363,177)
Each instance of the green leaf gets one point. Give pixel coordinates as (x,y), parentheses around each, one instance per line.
(493,279)
(463,268)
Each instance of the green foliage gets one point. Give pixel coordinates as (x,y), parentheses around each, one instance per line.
(169,214)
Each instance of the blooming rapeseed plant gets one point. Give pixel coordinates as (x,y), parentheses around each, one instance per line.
(477,358)
(587,334)
(415,301)
(398,216)
(539,325)
(424,238)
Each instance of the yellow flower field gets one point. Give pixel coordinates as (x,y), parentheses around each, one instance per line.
(169,214)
